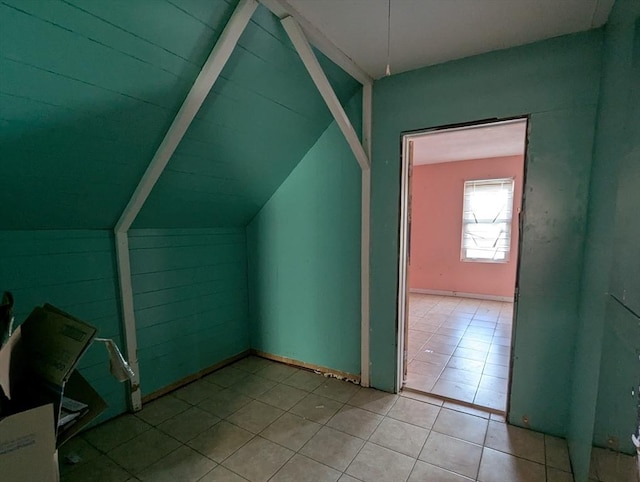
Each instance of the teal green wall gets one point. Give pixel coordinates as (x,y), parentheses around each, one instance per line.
(304,259)
(90,87)
(617,409)
(190,299)
(75,271)
(556,83)
(87,91)
(614,137)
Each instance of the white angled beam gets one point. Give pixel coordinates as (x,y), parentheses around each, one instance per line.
(364,278)
(196,96)
(130,336)
(282,9)
(367,100)
(324,87)
(202,86)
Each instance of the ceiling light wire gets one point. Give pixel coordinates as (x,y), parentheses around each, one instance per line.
(388,69)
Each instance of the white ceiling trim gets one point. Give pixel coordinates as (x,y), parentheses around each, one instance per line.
(428,32)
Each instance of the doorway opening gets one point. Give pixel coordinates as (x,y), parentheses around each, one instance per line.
(460,233)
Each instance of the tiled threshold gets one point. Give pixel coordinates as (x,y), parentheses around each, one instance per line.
(459,348)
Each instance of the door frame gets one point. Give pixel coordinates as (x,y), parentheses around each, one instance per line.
(406,168)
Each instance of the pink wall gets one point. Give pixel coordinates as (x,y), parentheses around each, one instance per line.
(436,228)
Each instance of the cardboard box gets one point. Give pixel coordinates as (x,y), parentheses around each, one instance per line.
(28,446)
(37,372)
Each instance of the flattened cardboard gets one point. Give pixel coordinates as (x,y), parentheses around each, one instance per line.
(55,342)
(27,447)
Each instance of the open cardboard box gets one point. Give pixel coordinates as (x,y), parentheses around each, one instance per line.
(37,368)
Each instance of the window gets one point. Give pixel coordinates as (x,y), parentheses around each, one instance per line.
(486,220)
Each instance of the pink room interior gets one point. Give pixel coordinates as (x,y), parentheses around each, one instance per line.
(436,229)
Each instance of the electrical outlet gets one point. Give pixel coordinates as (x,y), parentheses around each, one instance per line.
(525,420)
(613,443)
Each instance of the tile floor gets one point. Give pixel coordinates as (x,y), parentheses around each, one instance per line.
(259,420)
(459,348)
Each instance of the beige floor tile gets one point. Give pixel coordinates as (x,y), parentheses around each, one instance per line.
(337,390)
(373,400)
(459,407)
(473,344)
(355,421)
(227,376)
(460,376)
(496,359)
(446,339)
(277,372)
(375,464)
(557,453)
(144,450)
(183,464)
(400,436)
(487,382)
(347,478)
(470,354)
(415,412)
(108,436)
(100,469)
(442,348)
(253,386)
(491,399)
(316,407)
(220,441)
(465,364)
(516,441)
(255,416)
(196,392)
(304,380)
(75,453)
(162,409)
(556,475)
(428,363)
(499,371)
(188,424)
(461,425)
(222,474)
(422,397)
(500,467)
(303,469)
(291,431)
(454,390)
(422,383)
(282,396)
(252,364)
(259,460)
(426,472)
(452,454)
(333,448)
(500,349)
(613,466)
(224,403)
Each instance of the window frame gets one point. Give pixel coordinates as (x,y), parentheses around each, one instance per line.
(509,222)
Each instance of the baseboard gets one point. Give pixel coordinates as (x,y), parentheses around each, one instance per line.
(327,372)
(459,294)
(196,376)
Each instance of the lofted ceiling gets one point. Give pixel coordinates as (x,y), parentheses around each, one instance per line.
(497,139)
(427,32)
(88,89)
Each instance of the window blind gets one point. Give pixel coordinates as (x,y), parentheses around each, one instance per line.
(486,220)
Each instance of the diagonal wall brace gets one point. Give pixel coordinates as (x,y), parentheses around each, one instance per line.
(201,87)
(302,46)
